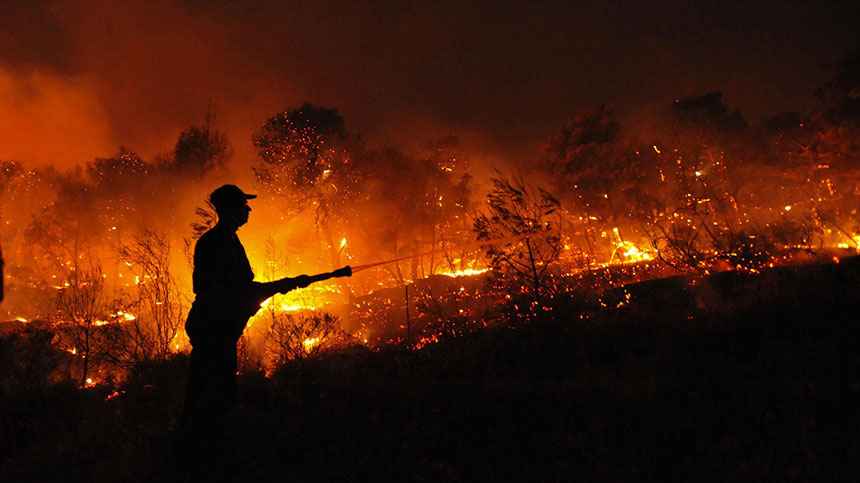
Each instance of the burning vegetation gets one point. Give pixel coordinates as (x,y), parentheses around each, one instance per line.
(100,255)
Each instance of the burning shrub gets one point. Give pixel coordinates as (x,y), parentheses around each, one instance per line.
(302,335)
(80,311)
(745,251)
(524,221)
(158,300)
(144,326)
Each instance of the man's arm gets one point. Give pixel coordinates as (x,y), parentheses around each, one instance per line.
(263,290)
(260,291)
(303,281)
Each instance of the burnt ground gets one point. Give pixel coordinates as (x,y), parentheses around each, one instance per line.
(735,377)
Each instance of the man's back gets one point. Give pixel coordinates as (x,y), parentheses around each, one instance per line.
(221,267)
(222,280)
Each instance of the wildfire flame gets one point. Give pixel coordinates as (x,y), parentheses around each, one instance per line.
(293,308)
(309,343)
(626,252)
(691,201)
(465,273)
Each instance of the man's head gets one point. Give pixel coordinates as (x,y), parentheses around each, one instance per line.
(231,204)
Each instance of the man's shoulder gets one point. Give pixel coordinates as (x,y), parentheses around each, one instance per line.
(213,236)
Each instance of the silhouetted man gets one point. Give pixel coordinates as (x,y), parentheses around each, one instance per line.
(226,297)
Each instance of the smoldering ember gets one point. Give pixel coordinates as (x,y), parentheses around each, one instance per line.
(662,287)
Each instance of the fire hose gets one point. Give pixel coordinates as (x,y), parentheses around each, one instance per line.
(477,244)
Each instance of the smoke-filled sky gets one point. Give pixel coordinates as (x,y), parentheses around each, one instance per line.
(80,78)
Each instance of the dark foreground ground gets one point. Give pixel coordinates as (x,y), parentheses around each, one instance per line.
(736,378)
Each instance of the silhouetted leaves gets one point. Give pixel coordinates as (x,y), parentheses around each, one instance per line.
(522,225)
(199,151)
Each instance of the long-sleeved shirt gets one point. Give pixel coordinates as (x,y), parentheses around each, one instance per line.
(223,285)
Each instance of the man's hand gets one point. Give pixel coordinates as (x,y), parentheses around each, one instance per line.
(287,284)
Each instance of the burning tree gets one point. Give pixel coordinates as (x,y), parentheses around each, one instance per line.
(524,222)
(414,206)
(60,235)
(582,151)
(121,189)
(450,224)
(834,150)
(593,170)
(839,97)
(695,194)
(81,309)
(306,159)
(708,199)
(199,150)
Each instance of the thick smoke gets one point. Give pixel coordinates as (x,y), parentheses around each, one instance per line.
(51,120)
(500,76)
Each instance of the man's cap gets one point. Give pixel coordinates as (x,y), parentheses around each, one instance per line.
(229,194)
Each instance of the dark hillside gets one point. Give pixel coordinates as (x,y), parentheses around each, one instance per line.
(736,377)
